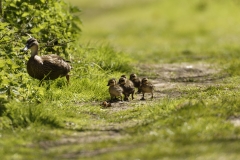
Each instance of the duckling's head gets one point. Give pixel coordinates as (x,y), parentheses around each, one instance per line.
(111,82)
(122,80)
(144,81)
(133,76)
(124,76)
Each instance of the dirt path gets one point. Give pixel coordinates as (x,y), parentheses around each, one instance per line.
(167,78)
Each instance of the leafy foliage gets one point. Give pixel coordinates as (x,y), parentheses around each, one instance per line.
(53,23)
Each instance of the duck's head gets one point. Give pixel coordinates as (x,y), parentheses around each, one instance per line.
(31,42)
(144,81)
(122,80)
(133,76)
(124,76)
(111,82)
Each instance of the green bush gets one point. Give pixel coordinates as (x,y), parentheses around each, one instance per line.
(52,22)
(55,25)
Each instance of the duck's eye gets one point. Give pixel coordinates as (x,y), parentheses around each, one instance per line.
(30,41)
(30,45)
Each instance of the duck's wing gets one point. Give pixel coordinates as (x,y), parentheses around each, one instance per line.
(118,88)
(56,64)
(151,86)
(55,57)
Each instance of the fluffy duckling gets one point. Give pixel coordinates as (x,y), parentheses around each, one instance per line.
(127,86)
(46,67)
(114,89)
(106,104)
(146,87)
(136,81)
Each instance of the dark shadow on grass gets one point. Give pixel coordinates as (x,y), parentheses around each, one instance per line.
(115,130)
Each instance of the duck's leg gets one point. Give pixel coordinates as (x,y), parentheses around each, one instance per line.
(67,77)
(115,98)
(112,98)
(126,96)
(139,90)
(142,97)
(133,95)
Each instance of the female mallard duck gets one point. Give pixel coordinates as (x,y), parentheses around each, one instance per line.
(127,86)
(146,87)
(114,89)
(46,67)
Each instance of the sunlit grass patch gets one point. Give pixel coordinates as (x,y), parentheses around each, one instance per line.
(189,49)
(23,115)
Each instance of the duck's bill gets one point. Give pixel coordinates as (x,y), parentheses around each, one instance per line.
(25,48)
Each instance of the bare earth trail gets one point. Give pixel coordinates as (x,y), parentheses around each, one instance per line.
(167,79)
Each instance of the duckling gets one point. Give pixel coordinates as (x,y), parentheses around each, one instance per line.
(46,67)
(127,86)
(136,81)
(114,89)
(106,104)
(146,87)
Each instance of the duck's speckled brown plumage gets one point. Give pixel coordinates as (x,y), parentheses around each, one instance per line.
(127,86)
(136,81)
(146,87)
(46,67)
(114,89)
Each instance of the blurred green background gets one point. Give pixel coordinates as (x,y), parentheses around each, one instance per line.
(163,30)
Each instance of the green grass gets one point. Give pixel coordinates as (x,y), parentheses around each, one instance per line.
(164,30)
(56,121)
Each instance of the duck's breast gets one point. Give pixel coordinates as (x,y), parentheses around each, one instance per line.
(34,67)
